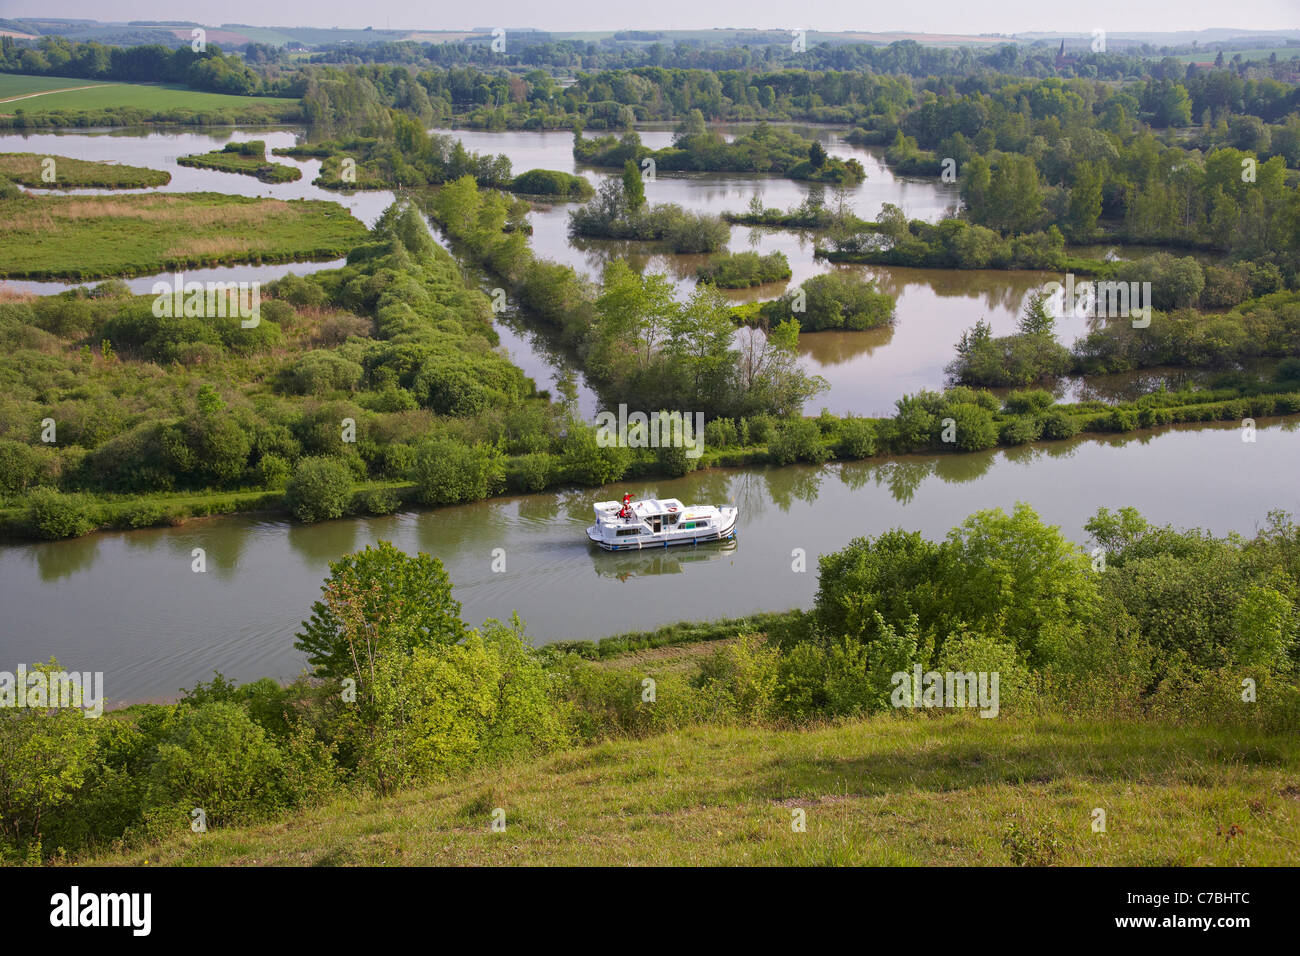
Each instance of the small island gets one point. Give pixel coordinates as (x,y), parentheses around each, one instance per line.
(247,158)
(40,171)
(696,148)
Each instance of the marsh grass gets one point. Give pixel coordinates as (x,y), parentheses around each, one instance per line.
(26,168)
(91,237)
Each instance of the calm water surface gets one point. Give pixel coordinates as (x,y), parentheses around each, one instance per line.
(128,603)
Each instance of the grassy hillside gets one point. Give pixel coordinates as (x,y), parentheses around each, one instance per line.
(13,85)
(886,790)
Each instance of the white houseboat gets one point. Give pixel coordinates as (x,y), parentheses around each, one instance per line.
(658,523)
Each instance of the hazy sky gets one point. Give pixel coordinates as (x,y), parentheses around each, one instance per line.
(931,16)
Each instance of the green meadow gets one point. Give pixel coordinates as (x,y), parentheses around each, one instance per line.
(95,237)
(14,85)
(68,93)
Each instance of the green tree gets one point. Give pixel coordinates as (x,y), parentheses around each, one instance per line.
(633,187)
(1037,318)
(1018,577)
(699,348)
(376,601)
(1085,201)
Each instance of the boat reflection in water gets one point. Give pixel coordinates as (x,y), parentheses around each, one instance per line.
(626,565)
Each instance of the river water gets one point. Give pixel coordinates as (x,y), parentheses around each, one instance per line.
(128,603)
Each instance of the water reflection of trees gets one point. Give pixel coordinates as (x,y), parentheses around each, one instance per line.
(576,505)
(797,482)
(708,487)
(223,540)
(319,544)
(955,469)
(1128,386)
(539,509)
(748,491)
(835,348)
(904,476)
(56,560)
(995,290)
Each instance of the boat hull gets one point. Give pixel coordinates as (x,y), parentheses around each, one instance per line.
(724,533)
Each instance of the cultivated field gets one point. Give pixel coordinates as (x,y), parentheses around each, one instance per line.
(66,93)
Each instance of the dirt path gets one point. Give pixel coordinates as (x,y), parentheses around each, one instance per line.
(66,89)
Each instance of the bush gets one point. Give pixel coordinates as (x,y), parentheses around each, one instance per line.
(841,677)
(550,182)
(321,372)
(744,673)
(272,471)
(673,460)
(444,708)
(321,488)
(857,438)
(1057,425)
(217,760)
(447,472)
(531,473)
(742,270)
(799,439)
(974,429)
(722,432)
(145,514)
(587,462)
(835,300)
(687,233)
(1028,401)
(22,465)
(52,514)
(965,652)
(1020,431)
(379,501)
(1287,372)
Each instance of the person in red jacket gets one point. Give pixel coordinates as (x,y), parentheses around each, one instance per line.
(626,511)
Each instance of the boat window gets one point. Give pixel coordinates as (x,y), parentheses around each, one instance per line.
(624,532)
